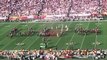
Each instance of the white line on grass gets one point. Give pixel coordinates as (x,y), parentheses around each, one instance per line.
(9,43)
(35,41)
(27,38)
(22,42)
(60,38)
(95,46)
(95,41)
(54,22)
(73,35)
(6,34)
(7,30)
(71,40)
(84,37)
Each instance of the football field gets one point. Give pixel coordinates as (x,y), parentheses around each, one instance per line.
(69,39)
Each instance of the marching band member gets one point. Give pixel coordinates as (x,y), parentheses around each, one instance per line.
(51,27)
(66,27)
(56,27)
(57,35)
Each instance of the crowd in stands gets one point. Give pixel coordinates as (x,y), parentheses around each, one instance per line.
(104,5)
(49,7)
(53,54)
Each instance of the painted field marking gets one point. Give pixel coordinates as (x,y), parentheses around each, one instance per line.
(95,42)
(28,37)
(36,40)
(61,37)
(6,34)
(7,26)
(8,43)
(84,37)
(74,34)
(8,30)
(95,46)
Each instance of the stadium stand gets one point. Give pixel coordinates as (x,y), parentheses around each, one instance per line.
(52,54)
(18,9)
(51,9)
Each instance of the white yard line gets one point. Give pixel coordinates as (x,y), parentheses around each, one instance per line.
(95,46)
(84,37)
(73,35)
(9,43)
(14,40)
(95,41)
(32,43)
(54,22)
(6,37)
(8,30)
(28,37)
(60,37)
(70,40)
(35,41)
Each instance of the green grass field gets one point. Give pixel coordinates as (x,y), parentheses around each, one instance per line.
(33,42)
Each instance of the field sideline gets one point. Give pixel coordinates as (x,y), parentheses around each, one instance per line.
(33,42)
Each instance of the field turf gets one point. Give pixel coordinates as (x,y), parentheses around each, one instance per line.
(33,42)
